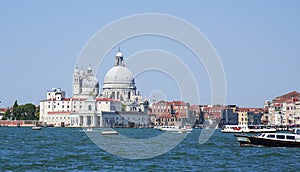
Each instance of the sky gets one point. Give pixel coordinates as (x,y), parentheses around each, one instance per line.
(257,43)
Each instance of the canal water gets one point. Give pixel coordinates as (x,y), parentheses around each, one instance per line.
(70,149)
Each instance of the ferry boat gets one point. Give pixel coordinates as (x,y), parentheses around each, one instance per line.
(247,129)
(271,139)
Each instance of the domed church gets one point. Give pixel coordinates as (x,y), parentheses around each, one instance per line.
(119,85)
(119,105)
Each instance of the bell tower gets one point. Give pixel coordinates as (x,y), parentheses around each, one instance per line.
(76,82)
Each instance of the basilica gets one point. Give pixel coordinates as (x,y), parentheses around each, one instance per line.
(117,105)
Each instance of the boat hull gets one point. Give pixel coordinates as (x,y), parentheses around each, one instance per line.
(109,132)
(245,140)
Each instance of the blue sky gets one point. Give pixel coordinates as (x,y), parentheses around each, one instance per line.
(257,41)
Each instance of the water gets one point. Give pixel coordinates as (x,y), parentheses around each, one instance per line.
(69,149)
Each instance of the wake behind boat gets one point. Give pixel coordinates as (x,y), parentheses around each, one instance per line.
(271,139)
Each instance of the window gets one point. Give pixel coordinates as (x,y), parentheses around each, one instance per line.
(290,137)
(280,137)
(271,136)
(90,107)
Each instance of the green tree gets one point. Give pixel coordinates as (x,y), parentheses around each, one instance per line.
(24,112)
(29,111)
(15,110)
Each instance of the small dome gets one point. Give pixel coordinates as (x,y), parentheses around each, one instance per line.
(90,81)
(119,74)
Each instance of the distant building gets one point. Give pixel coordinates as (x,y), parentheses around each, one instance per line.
(250,116)
(284,110)
(119,105)
(229,115)
(170,113)
(2,112)
(197,113)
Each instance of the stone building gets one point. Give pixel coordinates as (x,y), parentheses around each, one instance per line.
(119,105)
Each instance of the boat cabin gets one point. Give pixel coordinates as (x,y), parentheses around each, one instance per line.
(295,136)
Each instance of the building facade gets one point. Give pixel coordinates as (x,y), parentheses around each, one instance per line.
(250,116)
(119,105)
(284,110)
(171,113)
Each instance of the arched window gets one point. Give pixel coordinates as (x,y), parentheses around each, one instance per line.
(90,107)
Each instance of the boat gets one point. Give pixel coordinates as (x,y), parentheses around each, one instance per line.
(176,128)
(271,139)
(247,129)
(89,129)
(36,128)
(169,128)
(233,128)
(109,132)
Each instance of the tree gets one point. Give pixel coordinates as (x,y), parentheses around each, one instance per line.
(29,110)
(15,110)
(24,112)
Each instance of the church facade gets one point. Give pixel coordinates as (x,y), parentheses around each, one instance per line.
(118,105)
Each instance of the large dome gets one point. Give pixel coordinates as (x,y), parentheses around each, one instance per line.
(119,75)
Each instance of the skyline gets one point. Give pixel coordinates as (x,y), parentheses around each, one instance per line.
(256,42)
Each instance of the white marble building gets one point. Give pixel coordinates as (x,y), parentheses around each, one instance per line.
(119,105)
(119,85)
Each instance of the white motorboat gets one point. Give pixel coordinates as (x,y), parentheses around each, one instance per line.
(176,128)
(109,132)
(169,128)
(89,129)
(36,128)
